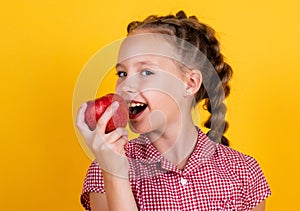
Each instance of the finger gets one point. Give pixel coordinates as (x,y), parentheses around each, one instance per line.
(117,134)
(80,121)
(111,138)
(122,146)
(118,146)
(106,116)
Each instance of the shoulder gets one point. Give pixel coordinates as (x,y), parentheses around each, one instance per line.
(247,171)
(235,159)
(137,147)
(93,174)
(93,182)
(237,165)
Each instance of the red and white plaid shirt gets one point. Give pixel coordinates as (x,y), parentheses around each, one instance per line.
(216,177)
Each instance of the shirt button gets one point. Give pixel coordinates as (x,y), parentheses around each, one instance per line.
(183,181)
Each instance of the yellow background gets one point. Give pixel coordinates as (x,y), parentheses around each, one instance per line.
(45,44)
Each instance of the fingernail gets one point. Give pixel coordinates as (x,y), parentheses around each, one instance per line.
(115,105)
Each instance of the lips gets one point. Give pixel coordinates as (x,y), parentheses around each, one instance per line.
(136,109)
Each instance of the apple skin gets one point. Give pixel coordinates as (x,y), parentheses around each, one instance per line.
(95,108)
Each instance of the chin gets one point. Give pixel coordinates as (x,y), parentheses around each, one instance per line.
(134,127)
(138,127)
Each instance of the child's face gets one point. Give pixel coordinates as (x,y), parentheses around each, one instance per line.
(154,87)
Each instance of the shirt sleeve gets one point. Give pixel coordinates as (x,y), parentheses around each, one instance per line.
(257,188)
(93,182)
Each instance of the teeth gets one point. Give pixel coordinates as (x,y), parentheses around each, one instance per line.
(135,104)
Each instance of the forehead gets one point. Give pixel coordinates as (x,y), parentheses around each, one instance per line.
(147,44)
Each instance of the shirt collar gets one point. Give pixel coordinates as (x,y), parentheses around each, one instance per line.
(204,150)
(143,150)
(148,154)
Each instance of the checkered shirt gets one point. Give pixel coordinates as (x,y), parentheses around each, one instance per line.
(215,177)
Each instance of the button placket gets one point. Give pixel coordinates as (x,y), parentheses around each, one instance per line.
(183,181)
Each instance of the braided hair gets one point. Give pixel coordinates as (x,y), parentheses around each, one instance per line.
(203,38)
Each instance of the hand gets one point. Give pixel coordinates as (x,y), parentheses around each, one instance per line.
(107,148)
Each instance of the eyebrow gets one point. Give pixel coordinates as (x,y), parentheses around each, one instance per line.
(141,63)
(119,65)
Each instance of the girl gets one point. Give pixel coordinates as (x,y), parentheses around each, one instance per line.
(165,66)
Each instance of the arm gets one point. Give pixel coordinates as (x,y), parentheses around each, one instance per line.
(98,201)
(118,193)
(109,152)
(260,207)
(118,196)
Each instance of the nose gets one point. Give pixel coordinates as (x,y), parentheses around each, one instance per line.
(130,86)
(129,89)
(128,92)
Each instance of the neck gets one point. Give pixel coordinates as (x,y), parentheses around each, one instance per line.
(176,142)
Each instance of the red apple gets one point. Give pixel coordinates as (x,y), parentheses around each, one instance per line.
(95,108)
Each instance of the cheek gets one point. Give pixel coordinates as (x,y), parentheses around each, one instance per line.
(118,83)
(162,101)
(168,88)
(166,110)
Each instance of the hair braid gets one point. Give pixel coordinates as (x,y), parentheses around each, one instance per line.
(203,37)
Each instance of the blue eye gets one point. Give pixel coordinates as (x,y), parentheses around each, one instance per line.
(121,74)
(146,72)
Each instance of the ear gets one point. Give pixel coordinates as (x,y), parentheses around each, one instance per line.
(193,81)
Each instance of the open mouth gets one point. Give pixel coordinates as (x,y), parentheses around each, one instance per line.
(136,109)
